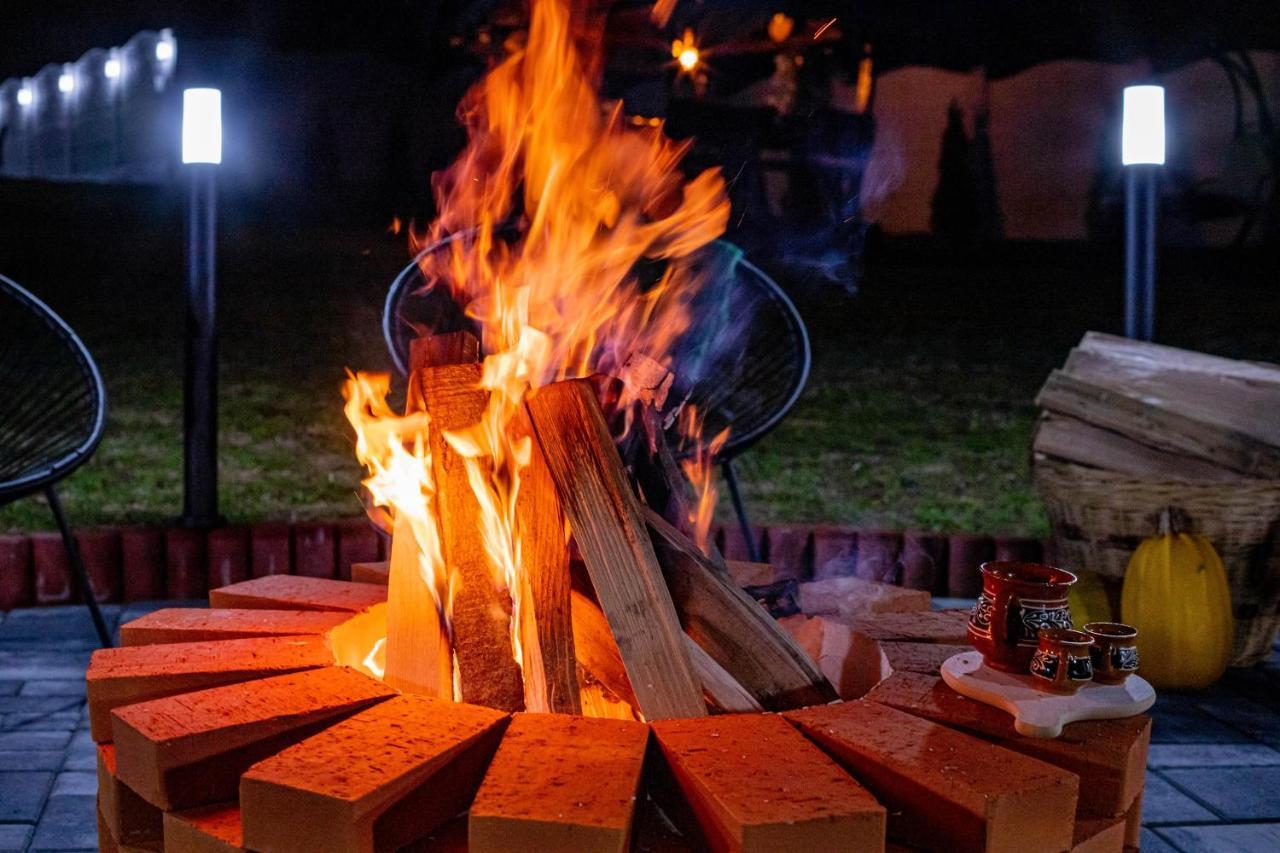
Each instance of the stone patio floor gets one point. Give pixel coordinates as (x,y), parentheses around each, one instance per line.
(1213,782)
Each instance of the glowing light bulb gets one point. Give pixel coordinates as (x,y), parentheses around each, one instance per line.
(25,96)
(202,126)
(111,69)
(1142,130)
(164,50)
(66,82)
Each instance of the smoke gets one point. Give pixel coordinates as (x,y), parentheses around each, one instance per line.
(884,173)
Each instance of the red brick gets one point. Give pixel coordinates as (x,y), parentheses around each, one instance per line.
(130,819)
(189,750)
(100,553)
(944,789)
(186,571)
(1109,756)
(315,551)
(1098,835)
(228,556)
(924,562)
(734,545)
(52,573)
(129,674)
(357,543)
(964,555)
(925,658)
(377,572)
(835,552)
(848,598)
(850,662)
(380,779)
(560,782)
(752,783)
(198,624)
(142,563)
(878,556)
(290,592)
(210,829)
(789,549)
(933,626)
(745,573)
(1018,548)
(16,580)
(270,550)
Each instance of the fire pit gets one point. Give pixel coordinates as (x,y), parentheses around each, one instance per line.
(556,656)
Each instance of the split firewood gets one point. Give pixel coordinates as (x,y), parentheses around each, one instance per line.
(547,640)
(1085,444)
(487,672)
(433,351)
(736,631)
(419,658)
(608,524)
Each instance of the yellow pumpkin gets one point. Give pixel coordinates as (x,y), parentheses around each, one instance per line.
(1088,600)
(1176,595)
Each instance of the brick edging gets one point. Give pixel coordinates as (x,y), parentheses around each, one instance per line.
(141,563)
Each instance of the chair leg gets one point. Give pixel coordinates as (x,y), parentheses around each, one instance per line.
(78,574)
(731,477)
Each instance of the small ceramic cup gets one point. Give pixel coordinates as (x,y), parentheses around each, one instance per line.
(1062,662)
(1115,651)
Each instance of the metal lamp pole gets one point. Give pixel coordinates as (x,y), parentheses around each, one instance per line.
(201,156)
(1142,153)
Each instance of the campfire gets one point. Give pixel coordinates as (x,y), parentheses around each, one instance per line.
(547,546)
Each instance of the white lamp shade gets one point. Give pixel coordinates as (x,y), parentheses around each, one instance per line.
(1142,136)
(202,126)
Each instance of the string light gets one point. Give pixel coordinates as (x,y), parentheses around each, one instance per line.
(67,81)
(111,69)
(25,95)
(164,50)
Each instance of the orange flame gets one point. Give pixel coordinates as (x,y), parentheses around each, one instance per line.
(699,468)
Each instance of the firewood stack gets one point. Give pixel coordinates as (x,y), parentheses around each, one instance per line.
(650,620)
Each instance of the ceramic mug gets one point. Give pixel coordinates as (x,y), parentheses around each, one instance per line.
(1017,600)
(1063,660)
(1115,651)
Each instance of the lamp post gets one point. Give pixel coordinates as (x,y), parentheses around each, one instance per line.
(1142,153)
(201,156)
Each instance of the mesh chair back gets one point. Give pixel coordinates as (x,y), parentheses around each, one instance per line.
(743,362)
(52,401)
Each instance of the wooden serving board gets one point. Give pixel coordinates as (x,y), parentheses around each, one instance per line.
(1037,713)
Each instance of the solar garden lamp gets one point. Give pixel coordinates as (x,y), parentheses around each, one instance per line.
(1142,154)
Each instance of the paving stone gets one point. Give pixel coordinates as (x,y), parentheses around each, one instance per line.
(1212,755)
(1183,722)
(1163,803)
(29,664)
(39,704)
(58,687)
(75,783)
(82,752)
(1152,842)
(1254,720)
(1226,838)
(14,836)
(68,627)
(10,688)
(62,721)
(34,740)
(31,759)
(22,794)
(68,823)
(1237,793)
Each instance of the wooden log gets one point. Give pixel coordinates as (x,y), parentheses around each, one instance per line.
(447,348)
(752,783)
(189,750)
(1139,352)
(211,829)
(1085,444)
(560,782)
(944,789)
(130,819)
(597,650)
(609,528)
(549,661)
(378,572)
(1160,427)
(738,634)
(198,624)
(1109,756)
(123,676)
(487,671)
(720,688)
(379,780)
(419,658)
(292,592)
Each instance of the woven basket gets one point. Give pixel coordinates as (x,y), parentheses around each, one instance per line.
(1099,517)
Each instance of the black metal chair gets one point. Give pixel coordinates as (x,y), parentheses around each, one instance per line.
(743,362)
(52,411)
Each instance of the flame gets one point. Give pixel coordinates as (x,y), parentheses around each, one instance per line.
(698,466)
(550,207)
(685,51)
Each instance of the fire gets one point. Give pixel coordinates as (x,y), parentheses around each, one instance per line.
(551,206)
(698,467)
(685,51)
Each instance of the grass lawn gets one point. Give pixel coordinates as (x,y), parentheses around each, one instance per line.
(918,413)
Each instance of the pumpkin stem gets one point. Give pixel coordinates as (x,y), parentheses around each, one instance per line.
(1173,521)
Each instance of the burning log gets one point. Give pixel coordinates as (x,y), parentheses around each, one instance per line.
(487,672)
(738,634)
(608,526)
(547,638)
(419,659)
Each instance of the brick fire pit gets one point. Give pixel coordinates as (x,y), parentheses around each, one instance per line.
(258,725)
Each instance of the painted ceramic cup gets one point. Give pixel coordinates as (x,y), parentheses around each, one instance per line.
(1062,660)
(1017,600)
(1115,651)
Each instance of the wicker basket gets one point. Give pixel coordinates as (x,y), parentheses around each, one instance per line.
(1099,517)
